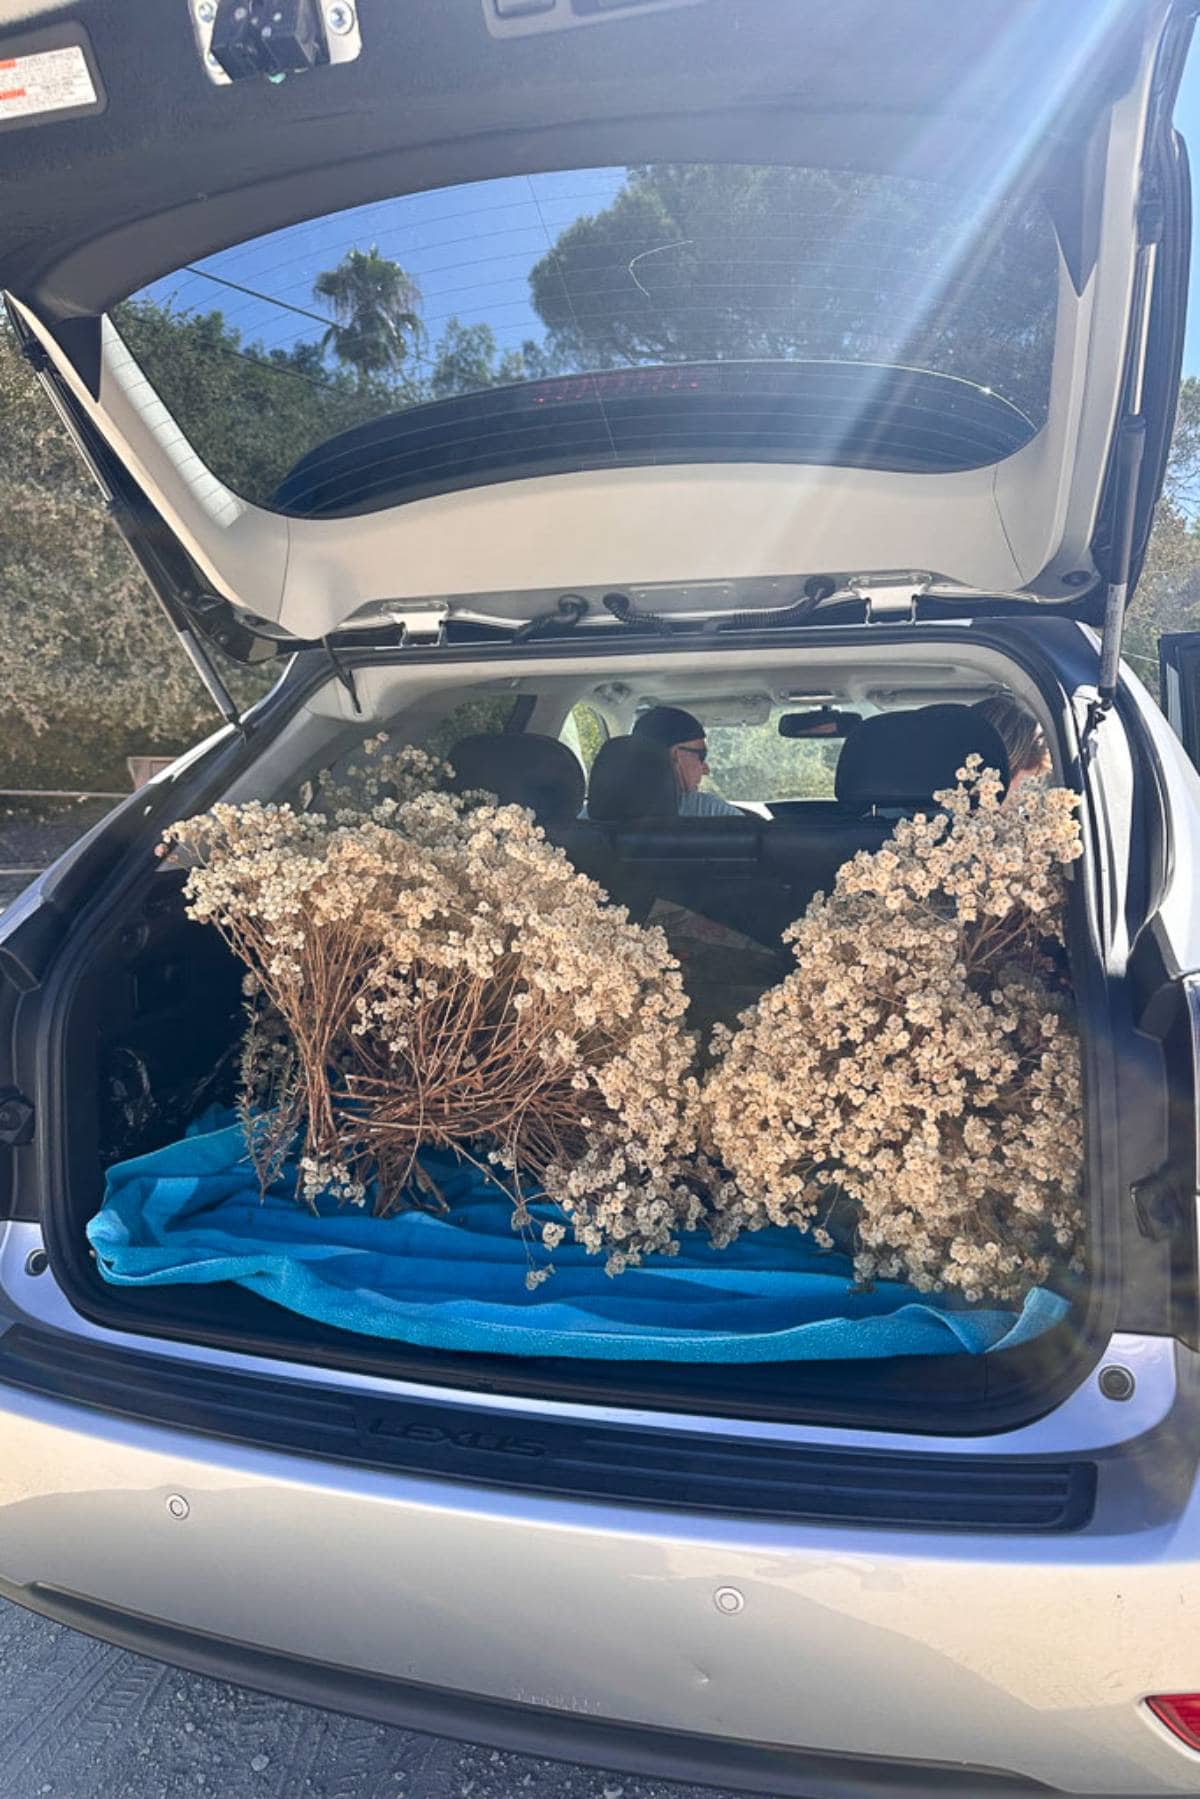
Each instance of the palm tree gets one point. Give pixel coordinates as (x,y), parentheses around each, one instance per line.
(375,305)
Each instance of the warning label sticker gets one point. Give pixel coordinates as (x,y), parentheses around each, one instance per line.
(46,81)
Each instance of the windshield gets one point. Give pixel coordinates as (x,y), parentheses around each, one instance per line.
(820,315)
(755,762)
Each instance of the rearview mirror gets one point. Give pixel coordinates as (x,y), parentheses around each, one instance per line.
(827,722)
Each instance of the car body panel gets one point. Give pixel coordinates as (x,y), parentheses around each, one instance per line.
(1030,1657)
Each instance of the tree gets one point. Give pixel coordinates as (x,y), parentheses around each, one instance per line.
(1181,486)
(250,412)
(753,762)
(702,262)
(89,668)
(375,305)
(467,359)
(1168,593)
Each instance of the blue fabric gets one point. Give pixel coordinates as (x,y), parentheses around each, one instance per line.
(191,1213)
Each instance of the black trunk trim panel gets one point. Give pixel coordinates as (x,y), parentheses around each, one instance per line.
(609,1464)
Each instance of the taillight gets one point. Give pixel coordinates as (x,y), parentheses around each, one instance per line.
(1180,1712)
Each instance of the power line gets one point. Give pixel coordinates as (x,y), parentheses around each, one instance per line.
(251,293)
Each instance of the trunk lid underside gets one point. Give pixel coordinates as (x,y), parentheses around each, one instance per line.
(679,458)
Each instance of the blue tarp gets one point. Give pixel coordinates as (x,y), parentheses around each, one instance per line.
(192,1213)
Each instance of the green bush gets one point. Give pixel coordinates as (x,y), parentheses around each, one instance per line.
(89,668)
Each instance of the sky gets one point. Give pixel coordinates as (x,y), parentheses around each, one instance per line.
(469,249)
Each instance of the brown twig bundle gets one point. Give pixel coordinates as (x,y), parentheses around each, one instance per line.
(427,971)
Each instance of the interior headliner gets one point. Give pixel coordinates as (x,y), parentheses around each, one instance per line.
(179,168)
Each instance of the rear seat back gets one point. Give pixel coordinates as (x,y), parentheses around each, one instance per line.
(632,779)
(711,865)
(897,761)
(807,856)
(521,769)
(752,874)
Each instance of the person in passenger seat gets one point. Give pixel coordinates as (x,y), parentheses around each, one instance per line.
(683,737)
(1028,754)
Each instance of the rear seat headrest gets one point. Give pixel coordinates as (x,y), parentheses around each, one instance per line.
(899,760)
(523,769)
(632,778)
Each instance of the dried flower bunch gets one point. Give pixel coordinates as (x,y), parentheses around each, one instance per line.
(921,1061)
(426,970)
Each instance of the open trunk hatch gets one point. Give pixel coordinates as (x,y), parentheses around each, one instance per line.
(700,295)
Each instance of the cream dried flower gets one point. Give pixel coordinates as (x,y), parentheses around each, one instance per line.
(921,1061)
(429,971)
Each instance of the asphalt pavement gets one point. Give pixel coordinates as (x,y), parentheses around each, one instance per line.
(79,1720)
(32,839)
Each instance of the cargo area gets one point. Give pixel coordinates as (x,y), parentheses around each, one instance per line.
(152,1013)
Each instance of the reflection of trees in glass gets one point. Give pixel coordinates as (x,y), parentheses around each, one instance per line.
(249,412)
(468,358)
(687,263)
(700,262)
(375,306)
(486,712)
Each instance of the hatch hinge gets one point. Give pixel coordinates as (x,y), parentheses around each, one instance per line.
(421,624)
(888,601)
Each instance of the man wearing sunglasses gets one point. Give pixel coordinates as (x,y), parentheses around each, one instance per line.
(682,735)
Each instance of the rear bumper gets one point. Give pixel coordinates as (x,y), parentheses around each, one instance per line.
(524,1729)
(784,1657)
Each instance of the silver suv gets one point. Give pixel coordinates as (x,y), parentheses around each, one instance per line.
(499,368)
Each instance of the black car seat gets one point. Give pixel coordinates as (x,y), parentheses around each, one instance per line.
(897,761)
(521,769)
(632,779)
(890,768)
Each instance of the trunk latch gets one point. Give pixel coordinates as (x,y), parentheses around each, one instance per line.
(241,40)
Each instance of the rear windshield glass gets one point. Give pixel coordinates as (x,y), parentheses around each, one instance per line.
(624,315)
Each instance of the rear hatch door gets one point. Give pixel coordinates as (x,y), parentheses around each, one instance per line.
(370,313)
